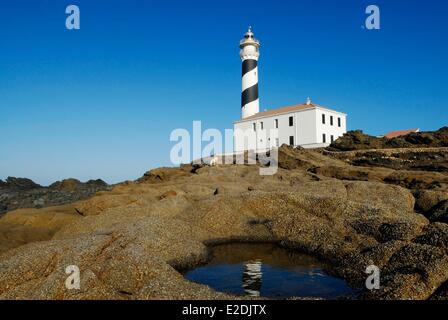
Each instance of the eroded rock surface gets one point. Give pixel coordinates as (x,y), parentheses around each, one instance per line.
(129,243)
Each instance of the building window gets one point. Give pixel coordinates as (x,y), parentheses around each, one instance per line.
(331,120)
(291,140)
(261,125)
(276,123)
(277,142)
(291,121)
(255,126)
(324,138)
(332,138)
(339,122)
(323,118)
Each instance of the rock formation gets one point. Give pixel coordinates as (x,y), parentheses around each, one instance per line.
(357,140)
(130,242)
(18,193)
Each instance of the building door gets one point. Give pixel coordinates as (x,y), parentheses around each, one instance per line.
(291,140)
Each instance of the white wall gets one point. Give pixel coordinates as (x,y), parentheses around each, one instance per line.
(239,142)
(307,129)
(328,129)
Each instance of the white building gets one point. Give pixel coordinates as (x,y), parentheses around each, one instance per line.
(308,125)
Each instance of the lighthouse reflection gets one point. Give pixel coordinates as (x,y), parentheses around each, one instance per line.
(266,270)
(252,278)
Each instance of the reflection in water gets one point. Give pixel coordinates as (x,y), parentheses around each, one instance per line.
(267,270)
(252,277)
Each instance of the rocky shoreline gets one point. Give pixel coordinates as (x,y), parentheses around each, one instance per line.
(130,242)
(16,193)
(357,140)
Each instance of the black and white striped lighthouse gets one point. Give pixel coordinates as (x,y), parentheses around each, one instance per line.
(249,54)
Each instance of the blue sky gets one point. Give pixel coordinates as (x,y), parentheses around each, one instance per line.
(101,102)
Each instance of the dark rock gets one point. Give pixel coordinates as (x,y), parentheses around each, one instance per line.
(19,193)
(416,180)
(435,234)
(439,213)
(352,267)
(357,140)
(67,184)
(431,160)
(97,183)
(196,167)
(441,293)
(20,184)
(425,200)
(415,158)
(414,272)
(437,138)
(398,231)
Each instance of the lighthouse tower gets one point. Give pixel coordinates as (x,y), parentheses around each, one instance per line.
(249,54)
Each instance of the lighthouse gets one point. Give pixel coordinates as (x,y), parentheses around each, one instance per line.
(249,54)
(305,124)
